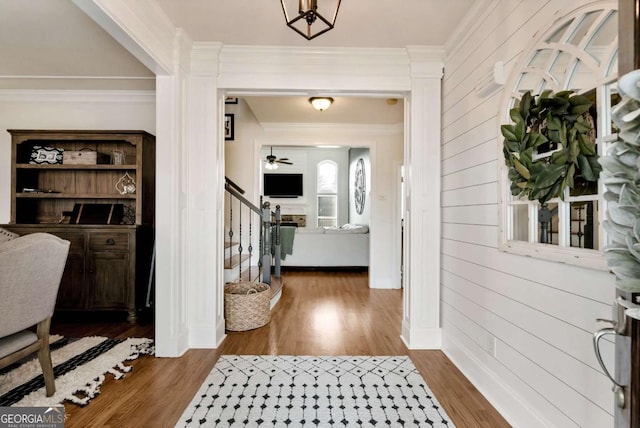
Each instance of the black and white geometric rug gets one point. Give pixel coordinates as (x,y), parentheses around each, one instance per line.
(292,391)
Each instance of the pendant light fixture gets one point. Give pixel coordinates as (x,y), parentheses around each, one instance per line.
(321,103)
(308,21)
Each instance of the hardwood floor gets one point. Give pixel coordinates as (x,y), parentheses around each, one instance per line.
(320,313)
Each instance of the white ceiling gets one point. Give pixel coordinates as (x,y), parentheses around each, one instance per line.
(380,111)
(52,44)
(360,23)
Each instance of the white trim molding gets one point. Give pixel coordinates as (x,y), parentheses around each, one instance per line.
(48,95)
(190,146)
(306,68)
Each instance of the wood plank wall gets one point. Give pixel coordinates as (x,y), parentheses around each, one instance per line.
(541,314)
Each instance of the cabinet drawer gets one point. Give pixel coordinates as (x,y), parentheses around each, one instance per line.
(109,241)
(76,240)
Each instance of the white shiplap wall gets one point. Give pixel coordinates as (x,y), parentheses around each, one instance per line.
(538,315)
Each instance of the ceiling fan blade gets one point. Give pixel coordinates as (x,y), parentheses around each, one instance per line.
(285,162)
(284,158)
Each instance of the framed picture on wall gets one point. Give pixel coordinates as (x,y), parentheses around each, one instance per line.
(228,127)
(231,100)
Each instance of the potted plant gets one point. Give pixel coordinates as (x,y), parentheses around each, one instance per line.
(550,146)
(621,177)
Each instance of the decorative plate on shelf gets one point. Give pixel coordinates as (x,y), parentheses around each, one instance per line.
(360,186)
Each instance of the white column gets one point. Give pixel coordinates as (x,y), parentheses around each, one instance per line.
(205,202)
(172,337)
(421,320)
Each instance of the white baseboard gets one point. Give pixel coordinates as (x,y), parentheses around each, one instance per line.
(202,338)
(181,346)
(421,338)
(503,398)
(275,299)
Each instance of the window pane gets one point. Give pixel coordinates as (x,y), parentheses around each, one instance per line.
(558,34)
(327,206)
(327,178)
(520,230)
(560,65)
(540,59)
(584,224)
(582,28)
(581,78)
(603,37)
(530,82)
(552,226)
(327,222)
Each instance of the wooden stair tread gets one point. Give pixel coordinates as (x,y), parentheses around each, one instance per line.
(235,260)
(250,274)
(228,244)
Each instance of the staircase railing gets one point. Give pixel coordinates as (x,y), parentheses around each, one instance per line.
(268,236)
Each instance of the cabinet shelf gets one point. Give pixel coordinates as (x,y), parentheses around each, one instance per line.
(69,167)
(74,196)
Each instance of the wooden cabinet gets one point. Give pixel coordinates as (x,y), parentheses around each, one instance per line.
(109,261)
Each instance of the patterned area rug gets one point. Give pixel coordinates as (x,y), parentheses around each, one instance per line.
(289,391)
(79,366)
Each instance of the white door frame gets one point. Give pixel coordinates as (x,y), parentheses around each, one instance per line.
(192,80)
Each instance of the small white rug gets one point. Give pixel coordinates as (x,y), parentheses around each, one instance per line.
(291,391)
(79,366)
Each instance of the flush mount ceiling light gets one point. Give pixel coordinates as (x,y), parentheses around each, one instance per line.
(307,15)
(321,103)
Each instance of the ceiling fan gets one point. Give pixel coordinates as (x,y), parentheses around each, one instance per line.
(272,161)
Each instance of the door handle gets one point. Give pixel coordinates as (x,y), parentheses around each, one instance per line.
(618,390)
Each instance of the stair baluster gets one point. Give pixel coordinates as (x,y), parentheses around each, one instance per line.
(240,248)
(265,236)
(230,227)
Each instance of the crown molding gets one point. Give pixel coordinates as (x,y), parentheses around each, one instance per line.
(205,58)
(426,61)
(20,95)
(473,19)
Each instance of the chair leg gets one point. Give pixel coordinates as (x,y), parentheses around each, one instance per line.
(44,355)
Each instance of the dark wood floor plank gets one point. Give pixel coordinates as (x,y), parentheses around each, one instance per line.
(319,313)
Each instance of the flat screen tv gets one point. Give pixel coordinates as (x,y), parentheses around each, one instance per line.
(282,185)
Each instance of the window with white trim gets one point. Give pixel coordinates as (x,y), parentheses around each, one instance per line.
(578,53)
(327,193)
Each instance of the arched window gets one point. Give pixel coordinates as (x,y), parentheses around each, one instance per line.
(578,53)
(327,191)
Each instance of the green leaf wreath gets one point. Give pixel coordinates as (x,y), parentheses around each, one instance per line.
(542,124)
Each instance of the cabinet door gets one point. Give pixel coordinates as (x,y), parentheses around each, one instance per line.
(109,280)
(71,294)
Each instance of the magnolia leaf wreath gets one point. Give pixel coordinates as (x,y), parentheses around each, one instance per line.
(559,124)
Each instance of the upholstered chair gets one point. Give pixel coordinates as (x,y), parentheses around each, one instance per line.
(31,268)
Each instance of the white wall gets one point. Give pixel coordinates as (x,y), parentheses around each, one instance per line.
(520,328)
(239,153)
(67,110)
(305,161)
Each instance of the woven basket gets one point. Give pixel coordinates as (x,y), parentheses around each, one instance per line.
(246,305)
